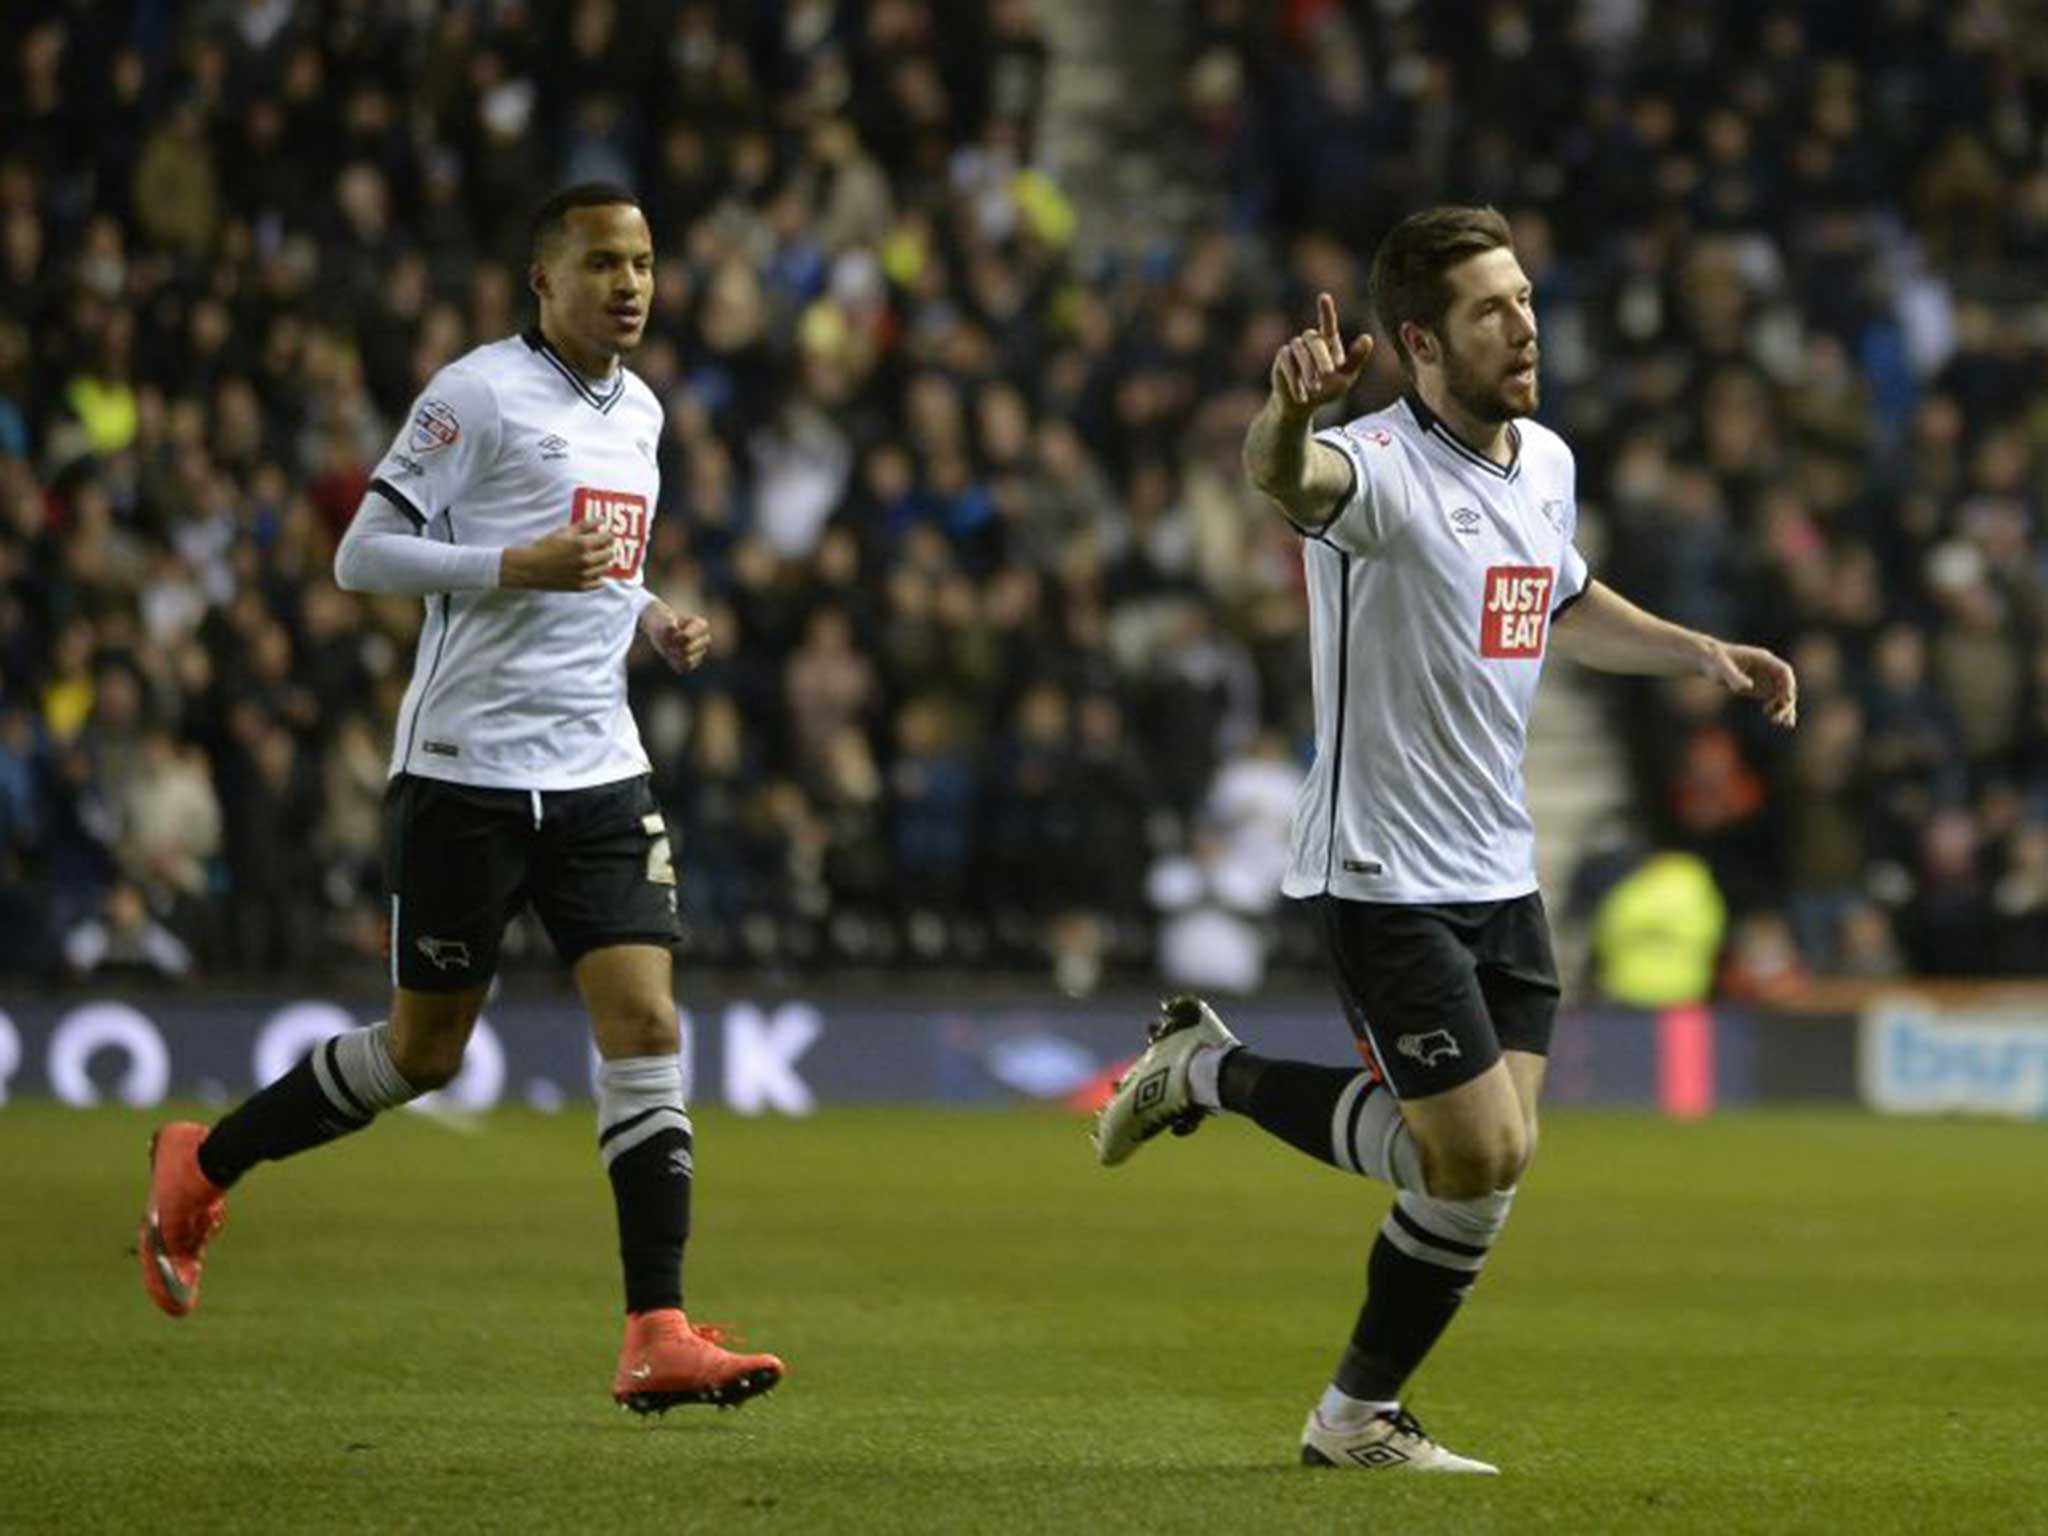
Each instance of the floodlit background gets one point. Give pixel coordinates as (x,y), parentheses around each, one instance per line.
(961,311)
(962,308)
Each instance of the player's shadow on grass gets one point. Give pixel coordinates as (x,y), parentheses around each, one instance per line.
(673,1424)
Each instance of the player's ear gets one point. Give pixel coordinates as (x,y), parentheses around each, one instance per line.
(537,280)
(1421,342)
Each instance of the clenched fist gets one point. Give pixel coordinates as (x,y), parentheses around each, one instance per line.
(683,639)
(573,558)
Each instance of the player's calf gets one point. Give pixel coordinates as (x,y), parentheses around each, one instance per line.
(1428,1256)
(339,1087)
(1345,1117)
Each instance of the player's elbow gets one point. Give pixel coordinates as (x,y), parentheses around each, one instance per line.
(349,567)
(357,566)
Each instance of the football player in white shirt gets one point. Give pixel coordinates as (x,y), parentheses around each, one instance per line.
(1437,543)
(516,501)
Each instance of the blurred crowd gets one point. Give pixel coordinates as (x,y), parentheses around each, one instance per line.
(1009,666)
(1788,263)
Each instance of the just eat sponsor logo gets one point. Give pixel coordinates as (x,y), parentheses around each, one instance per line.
(1517,607)
(622,514)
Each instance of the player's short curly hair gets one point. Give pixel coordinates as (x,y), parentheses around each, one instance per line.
(551,217)
(1408,270)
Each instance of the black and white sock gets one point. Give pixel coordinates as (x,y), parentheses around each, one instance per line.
(1424,1262)
(1337,1115)
(643,1135)
(341,1086)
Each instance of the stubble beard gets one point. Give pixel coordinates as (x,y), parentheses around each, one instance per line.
(1480,398)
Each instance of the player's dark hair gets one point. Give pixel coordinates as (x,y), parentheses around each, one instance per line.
(1409,284)
(552,216)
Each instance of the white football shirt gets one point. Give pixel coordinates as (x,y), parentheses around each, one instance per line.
(1430,599)
(520,689)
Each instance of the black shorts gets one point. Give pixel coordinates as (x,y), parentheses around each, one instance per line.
(1435,993)
(461,861)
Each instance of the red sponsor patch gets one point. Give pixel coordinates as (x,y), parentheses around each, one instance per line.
(1516,610)
(622,514)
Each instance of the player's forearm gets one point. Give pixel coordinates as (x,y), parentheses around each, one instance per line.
(1287,466)
(1606,631)
(383,553)
(1276,451)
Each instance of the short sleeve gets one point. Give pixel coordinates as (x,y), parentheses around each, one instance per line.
(447,439)
(1377,507)
(1573,575)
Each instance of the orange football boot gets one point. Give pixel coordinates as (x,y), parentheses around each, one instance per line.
(185,1209)
(667,1360)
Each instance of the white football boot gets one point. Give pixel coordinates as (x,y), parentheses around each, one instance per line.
(1387,1442)
(1153,1096)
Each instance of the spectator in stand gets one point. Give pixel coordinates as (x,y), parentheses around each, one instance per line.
(124,937)
(957,476)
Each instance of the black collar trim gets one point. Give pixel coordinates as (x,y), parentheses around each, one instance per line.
(1437,428)
(601,403)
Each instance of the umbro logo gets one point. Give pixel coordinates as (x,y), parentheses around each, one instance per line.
(553,447)
(646,448)
(1465,521)
(1378,1454)
(1151,1090)
(1553,514)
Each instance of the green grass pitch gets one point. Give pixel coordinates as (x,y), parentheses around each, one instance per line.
(1764,1322)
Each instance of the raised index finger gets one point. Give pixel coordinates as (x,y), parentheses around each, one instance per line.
(1326,322)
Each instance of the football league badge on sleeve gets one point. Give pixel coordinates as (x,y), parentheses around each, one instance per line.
(434,427)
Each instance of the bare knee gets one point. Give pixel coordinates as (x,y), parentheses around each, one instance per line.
(1476,1164)
(428,1062)
(428,1036)
(641,1026)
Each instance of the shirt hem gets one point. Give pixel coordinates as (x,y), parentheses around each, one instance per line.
(1358,888)
(596,778)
